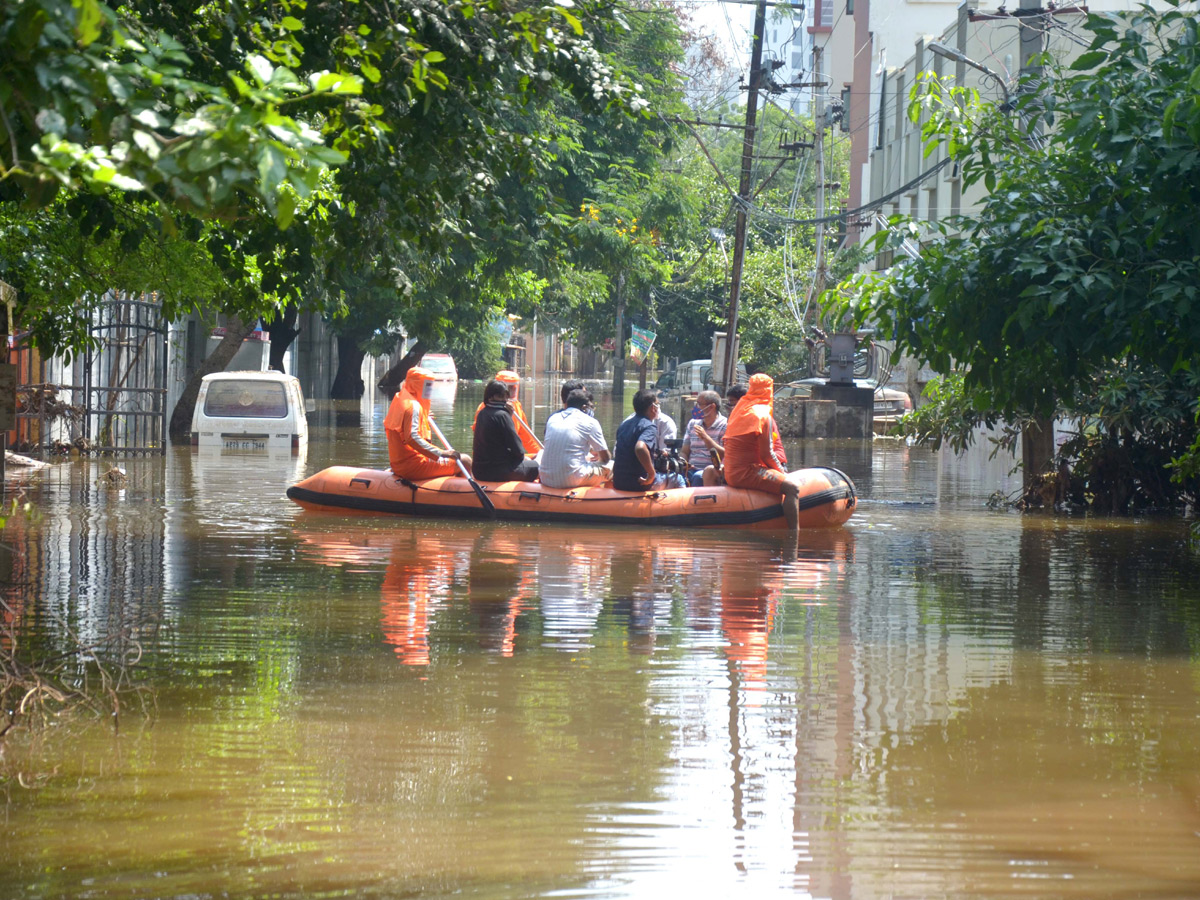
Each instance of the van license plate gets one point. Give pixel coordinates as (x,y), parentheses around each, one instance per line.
(245,445)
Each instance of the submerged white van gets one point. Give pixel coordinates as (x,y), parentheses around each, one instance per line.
(250,411)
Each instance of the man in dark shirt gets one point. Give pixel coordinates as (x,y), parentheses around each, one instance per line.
(633,466)
(498,452)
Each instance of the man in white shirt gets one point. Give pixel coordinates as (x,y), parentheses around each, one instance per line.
(574,452)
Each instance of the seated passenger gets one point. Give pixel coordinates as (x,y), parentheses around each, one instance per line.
(575,450)
(734,394)
(665,430)
(498,452)
(408,431)
(512,381)
(750,458)
(703,438)
(573,384)
(633,467)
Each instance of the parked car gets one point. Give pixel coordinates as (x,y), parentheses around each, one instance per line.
(250,411)
(890,403)
(441,365)
(692,377)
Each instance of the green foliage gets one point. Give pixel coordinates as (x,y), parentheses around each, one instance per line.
(92,98)
(456,127)
(779,262)
(63,258)
(1137,420)
(1084,260)
(476,351)
(1085,249)
(949,415)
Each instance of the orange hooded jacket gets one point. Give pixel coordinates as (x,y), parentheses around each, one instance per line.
(752,417)
(407,427)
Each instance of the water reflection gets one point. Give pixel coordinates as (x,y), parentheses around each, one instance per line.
(938,700)
(528,587)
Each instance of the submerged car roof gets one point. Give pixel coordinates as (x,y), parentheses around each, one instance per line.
(254,374)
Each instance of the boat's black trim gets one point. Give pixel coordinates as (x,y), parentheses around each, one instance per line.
(430,510)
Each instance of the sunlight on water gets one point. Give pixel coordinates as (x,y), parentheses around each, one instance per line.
(936,700)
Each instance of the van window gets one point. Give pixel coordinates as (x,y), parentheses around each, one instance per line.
(246,399)
(439,364)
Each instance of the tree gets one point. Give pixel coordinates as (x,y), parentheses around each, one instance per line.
(466,184)
(91,97)
(430,105)
(1084,254)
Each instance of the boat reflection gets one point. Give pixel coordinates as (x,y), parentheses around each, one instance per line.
(542,589)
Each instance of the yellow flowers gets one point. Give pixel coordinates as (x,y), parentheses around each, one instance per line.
(631,230)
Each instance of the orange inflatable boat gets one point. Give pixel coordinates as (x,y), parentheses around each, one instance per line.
(827,499)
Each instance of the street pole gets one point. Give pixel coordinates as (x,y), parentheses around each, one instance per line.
(729,375)
(618,385)
(819,276)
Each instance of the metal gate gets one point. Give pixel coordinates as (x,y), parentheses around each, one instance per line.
(109,399)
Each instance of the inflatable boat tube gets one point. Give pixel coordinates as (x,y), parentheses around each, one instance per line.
(827,499)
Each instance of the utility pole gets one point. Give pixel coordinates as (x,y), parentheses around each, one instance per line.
(618,385)
(1037,436)
(729,375)
(821,274)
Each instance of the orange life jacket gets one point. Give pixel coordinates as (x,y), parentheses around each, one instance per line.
(407,422)
(528,439)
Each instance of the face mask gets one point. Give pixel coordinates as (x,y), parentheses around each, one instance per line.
(697,412)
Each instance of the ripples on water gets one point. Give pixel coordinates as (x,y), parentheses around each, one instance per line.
(937,700)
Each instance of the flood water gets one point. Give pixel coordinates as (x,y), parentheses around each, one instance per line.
(937,700)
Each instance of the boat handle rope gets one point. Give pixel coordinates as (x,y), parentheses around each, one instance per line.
(848,485)
(569,497)
(411,485)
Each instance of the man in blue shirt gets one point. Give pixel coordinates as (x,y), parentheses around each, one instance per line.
(633,465)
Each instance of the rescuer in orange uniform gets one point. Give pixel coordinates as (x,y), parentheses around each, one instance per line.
(751,460)
(408,432)
(512,381)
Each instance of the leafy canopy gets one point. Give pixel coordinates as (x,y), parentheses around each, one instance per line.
(1087,247)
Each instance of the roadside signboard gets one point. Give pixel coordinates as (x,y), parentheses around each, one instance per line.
(640,344)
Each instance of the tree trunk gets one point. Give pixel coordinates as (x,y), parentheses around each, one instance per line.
(1037,449)
(348,383)
(180,429)
(394,377)
(283,332)
(618,383)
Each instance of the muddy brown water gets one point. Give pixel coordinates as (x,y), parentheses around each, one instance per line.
(938,700)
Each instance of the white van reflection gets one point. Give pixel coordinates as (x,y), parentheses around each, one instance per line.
(251,411)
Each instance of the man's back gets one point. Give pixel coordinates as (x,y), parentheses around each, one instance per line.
(571,435)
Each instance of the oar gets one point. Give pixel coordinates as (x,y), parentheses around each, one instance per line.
(484,499)
(521,426)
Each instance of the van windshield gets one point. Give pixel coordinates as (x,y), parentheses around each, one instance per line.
(246,399)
